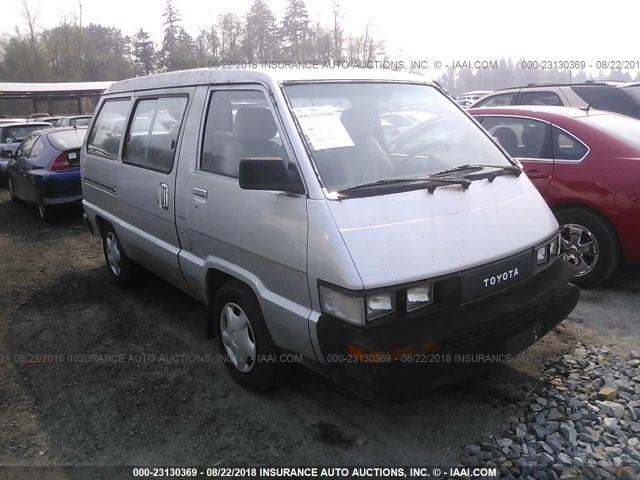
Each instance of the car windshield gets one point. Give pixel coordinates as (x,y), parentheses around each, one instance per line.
(350,145)
(623,128)
(18,133)
(67,139)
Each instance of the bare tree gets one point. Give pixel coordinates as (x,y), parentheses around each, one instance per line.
(338,33)
(80,26)
(30,18)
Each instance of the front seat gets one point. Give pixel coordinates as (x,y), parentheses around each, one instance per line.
(367,160)
(253,129)
(508,139)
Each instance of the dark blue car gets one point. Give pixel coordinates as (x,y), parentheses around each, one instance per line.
(45,169)
(12,132)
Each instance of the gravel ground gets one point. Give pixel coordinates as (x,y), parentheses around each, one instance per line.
(170,403)
(583,421)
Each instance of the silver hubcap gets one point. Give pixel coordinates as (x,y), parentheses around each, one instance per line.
(579,247)
(237,337)
(113,253)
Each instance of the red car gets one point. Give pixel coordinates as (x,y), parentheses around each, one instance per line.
(586,164)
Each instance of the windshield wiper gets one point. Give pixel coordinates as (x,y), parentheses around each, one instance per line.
(491,176)
(432,183)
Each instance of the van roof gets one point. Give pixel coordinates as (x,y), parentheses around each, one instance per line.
(203,76)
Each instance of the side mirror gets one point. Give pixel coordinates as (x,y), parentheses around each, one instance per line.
(258,174)
(6,154)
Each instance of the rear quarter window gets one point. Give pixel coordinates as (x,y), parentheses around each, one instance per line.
(566,146)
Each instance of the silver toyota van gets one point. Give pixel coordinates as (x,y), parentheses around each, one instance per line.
(310,225)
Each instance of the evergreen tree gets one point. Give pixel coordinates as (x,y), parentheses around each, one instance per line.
(295,30)
(143,53)
(261,40)
(172,29)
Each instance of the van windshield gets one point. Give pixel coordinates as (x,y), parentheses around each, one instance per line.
(362,132)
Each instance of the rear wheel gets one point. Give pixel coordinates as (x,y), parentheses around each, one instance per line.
(46,212)
(588,243)
(249,352)
(121,268)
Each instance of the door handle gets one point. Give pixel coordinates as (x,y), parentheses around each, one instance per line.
(200,192)
(536,174)
(164,196)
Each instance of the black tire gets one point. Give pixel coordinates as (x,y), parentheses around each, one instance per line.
(14,199)
(122,269)
(265,371)
(46,212)
(608,248)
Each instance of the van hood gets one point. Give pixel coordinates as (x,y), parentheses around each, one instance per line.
(415,235)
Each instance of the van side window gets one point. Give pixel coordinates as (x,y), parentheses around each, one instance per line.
(153,133)
(104,138)
(239,125)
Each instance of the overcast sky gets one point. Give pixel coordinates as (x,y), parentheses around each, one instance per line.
(412,29)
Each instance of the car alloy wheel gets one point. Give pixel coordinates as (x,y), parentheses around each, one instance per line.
(579,247)
(237,337)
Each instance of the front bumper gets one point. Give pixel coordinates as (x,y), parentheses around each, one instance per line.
(423,350)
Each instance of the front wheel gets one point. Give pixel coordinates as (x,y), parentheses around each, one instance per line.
(588,243)
(248,350)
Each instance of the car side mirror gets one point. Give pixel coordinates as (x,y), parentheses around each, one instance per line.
(6,154)
(260,174)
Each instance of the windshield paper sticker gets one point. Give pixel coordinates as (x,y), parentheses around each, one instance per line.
(323,127)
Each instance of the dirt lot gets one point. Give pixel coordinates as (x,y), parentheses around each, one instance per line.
(160,407)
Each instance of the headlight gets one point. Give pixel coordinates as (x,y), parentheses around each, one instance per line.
(420,296)
(345,307)
(542,254)
(380,305)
